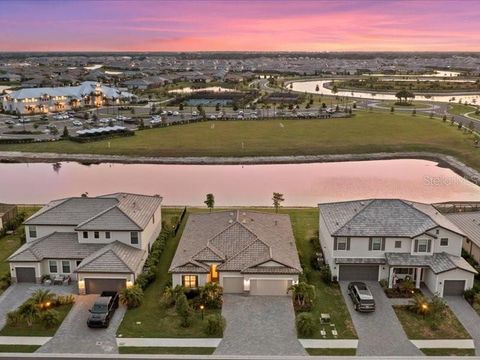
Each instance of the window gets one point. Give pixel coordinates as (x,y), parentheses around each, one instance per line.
(398,244)
(65,267)
(444,242)
(423,246)
(53,267)
(404,271)
(377,243)
(96,235)
(437,231)
(342,243)
(107,234)
(134,237)
(32,231)
(85,234)
(189,281)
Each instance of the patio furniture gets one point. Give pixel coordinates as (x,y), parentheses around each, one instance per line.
(67,280)
(47,282)
(58,279)
(324,318)
(323,333)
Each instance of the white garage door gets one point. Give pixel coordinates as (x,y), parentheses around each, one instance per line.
(273,287)
(233,285)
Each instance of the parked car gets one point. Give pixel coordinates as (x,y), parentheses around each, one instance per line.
(9,122)
(24,120)
(176,113)
(103,309)
(77,123)
(194,113)
(361,296)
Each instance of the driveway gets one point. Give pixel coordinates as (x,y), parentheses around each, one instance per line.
(75,337)
(379,333)
(467,316)
(17,294)
(259,325)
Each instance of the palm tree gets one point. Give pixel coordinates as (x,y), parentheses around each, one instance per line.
(303,294)
(42,297)
(29,312)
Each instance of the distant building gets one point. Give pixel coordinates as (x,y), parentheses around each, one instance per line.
(45,100)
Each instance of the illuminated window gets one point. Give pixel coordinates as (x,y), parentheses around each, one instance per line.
(189,281)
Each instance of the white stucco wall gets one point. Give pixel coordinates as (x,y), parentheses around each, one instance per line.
(44,230)
(36,266)
(456,274)
(177,279)
(152,230)
(472,248)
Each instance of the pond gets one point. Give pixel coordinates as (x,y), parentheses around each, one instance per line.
(301,184)
(188,90)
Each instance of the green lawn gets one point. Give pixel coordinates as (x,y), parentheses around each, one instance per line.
(386,132)
(460,109)
(18,348)
(416,327)
(37,329)
(331,352)
(156,321)
(449,352)
(166,350)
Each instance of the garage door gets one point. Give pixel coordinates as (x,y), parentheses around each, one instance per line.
(96,286)
(233,285)
(269,287)
(25,274)
(358,272)
(453,287)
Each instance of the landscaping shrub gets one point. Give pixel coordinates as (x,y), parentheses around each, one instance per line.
(170,294)
(191,293)
(417,305)
(326,274)
(132,296)
(303,295)
(13,318)
(307,324)
(183,309)
(49,318)
(215,324)
(211,295)
(64,300)
(469,295)
(383,283)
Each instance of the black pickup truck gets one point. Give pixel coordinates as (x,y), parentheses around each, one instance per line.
(103,309)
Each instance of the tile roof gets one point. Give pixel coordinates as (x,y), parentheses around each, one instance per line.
(469,223)
(360,261)
(241,239)
(438,262)
(58,245)
(382,217)
(115,257)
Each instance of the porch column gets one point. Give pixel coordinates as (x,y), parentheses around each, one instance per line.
(390,278)
(417,277)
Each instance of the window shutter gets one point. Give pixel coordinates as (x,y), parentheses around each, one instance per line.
(416,246)
(348,243)
(370,243)
(335,242)
(383,244)
(429,246)
(183,280)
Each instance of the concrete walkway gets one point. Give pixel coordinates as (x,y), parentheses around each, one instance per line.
(169,342)
(259,325)
(467,316)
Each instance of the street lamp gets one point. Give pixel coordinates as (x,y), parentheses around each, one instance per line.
(424,309)
(202,308)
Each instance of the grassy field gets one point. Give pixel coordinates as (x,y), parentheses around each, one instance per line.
(449,352)
(386,132)
(331,352)
(37,329)
(460,109)
(166,350)
(416,327)
(18,348)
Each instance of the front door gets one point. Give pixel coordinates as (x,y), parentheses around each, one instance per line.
(213,273)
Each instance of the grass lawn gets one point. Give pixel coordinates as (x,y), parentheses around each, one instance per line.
(331,352)
(386,133)
(449,352)
(156,321)
(37,329)
(166,350)
(19,348)
(460,109)
(416,327)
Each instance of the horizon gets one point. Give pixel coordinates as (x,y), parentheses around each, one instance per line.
(252,26)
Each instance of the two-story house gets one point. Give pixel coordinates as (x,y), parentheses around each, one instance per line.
(100,242)
(394,239)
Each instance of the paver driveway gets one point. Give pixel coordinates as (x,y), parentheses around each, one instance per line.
(17,294)
(75,337)
(259,325)
(379,333)
(467,316)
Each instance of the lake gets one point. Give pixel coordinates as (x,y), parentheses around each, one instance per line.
(302,184)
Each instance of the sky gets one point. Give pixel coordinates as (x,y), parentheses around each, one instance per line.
(240,25)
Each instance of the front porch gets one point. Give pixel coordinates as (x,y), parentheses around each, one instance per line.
(399,274)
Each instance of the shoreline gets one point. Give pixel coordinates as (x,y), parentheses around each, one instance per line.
(443,160)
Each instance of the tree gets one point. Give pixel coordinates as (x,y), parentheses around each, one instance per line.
(180,107)
(307,324)
(334,89)
(392,110)
(317,88)
(277,200)
(183,309)
(303,295)
(404,95)
(217,106)
(29,312)
(41,297)
(211,295)
(132,296)
(65,132)
(210,201)
(414,112)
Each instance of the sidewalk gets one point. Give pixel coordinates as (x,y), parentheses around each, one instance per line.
(23,340)
(169,342)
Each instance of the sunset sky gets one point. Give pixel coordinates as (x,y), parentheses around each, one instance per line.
(237,25)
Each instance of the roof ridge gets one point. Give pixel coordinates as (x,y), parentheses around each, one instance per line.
(356,213)
(61,201)
(245,248)
(95,216)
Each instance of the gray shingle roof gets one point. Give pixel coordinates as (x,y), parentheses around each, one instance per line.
(469,223)
(438,262)
(243,238)
(115,257)
(58,245)
(112,218)
(360,261)
(382,217)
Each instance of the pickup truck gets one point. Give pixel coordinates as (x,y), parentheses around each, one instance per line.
(103,309)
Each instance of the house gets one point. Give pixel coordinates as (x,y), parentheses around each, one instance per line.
(7,213)
(100,242)
(243,251)
(51,99)
(393,239)
(469,223)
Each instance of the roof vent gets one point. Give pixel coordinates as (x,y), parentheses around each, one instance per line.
(230,221)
